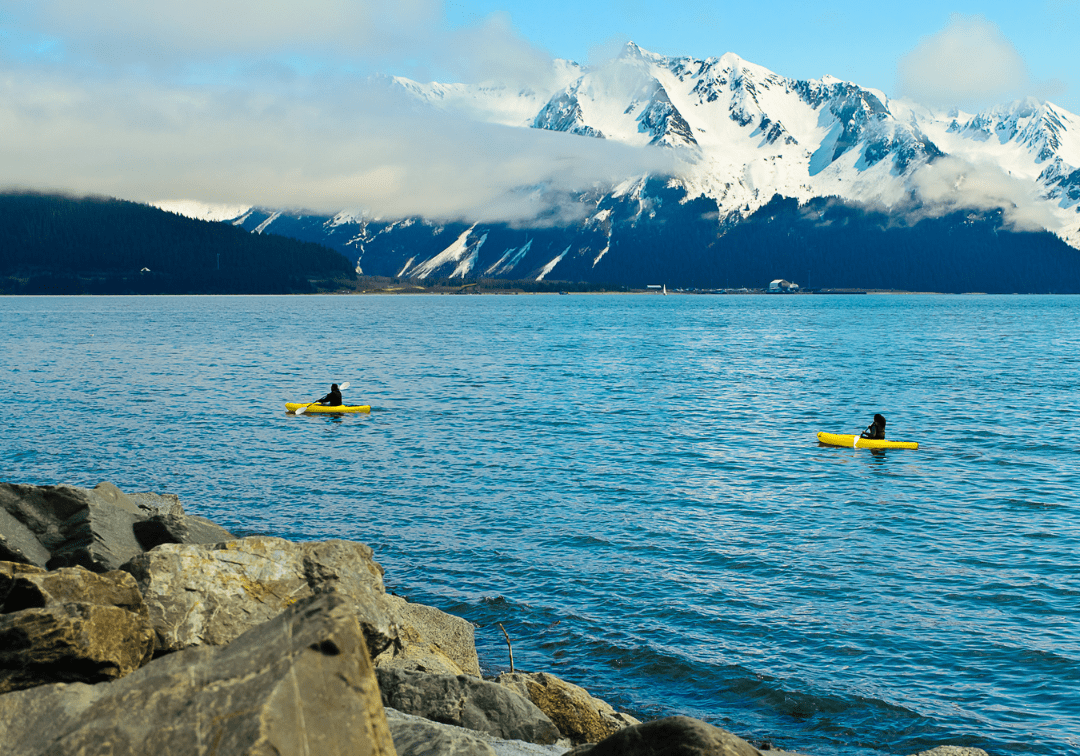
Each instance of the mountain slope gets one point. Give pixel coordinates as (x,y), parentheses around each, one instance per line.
(745,136)
(749,133)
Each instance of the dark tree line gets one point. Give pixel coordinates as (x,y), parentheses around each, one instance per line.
(658,237)
(52,244)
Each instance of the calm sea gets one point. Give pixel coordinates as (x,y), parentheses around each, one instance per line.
(632,485)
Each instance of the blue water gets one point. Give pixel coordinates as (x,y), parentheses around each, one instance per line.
(632,485)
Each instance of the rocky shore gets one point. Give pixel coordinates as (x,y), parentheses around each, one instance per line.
(130,627)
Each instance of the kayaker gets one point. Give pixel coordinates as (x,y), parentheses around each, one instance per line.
(876,429)
(333,399)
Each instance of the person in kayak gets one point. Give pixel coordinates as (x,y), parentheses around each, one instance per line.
(876,429)
(332,399)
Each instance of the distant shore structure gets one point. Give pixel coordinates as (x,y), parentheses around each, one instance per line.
(781,286)
(661,287)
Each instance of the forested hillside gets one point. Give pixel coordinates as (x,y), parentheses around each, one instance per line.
(53,244)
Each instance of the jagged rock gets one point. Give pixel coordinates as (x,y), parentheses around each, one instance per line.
(446,739)
(28,587)
(431,641)
(173,528)
(157,504)
(579,716)
(209,595)
(70,625)
(299,684)
(466,702)
(65,526)
(951,750)
(71,642)
(12,571)
(426,738)
(62,526)
(672,736)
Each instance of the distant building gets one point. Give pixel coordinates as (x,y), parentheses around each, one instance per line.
(780,286)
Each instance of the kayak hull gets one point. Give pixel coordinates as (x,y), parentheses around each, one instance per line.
(326,409)
(855,442)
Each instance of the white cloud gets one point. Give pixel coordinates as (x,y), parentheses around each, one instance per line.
(322,145)
(493,51)
(245,102)
(969,64)
(950,184)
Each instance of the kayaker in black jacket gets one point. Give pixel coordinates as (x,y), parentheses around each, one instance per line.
(876,429)
(332,399)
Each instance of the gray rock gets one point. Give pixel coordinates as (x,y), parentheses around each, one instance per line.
(157,504)
(72,526)
(414,733)
(425,738)
(432,641)
(579,716)
(466,702)
(209,595)
(173,528)
(952,750)
(65,526)
(300,684)
(672,736)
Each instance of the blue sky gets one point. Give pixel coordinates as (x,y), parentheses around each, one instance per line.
(856,41)
(268,101)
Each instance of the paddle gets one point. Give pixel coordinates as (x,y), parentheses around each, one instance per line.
(302,410)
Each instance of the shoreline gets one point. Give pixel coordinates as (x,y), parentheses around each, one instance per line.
(174,577)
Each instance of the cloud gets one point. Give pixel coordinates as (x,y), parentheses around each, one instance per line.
(322,143)
(167,32)
(969,64)
(950,184)
(493,51)
(269,103)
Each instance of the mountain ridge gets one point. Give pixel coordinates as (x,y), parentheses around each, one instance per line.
(744,136)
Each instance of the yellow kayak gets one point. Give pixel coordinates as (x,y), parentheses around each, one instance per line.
(315,409)
(855,442)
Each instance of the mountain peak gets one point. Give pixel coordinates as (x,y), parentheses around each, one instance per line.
(746,133)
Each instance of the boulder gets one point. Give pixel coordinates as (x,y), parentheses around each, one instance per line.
(579,716)
(157,504)
(28,587)
(431,641)
(416,736)
(421,737)
(10,572)
(64,526)
(70,625)
(299,684)
(209,595)
(172,528)
(466,702)
(71,642)
(952,750)
(672,736)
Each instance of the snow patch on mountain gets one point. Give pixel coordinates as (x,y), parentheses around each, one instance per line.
(511,257)
(207,211)
(463,251)
(551,265)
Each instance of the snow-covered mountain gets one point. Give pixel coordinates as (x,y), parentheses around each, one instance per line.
(744,135)
(750,133)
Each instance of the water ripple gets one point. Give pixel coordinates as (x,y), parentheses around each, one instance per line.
(631,485)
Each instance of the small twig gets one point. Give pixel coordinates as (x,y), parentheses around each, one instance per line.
(508,647)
